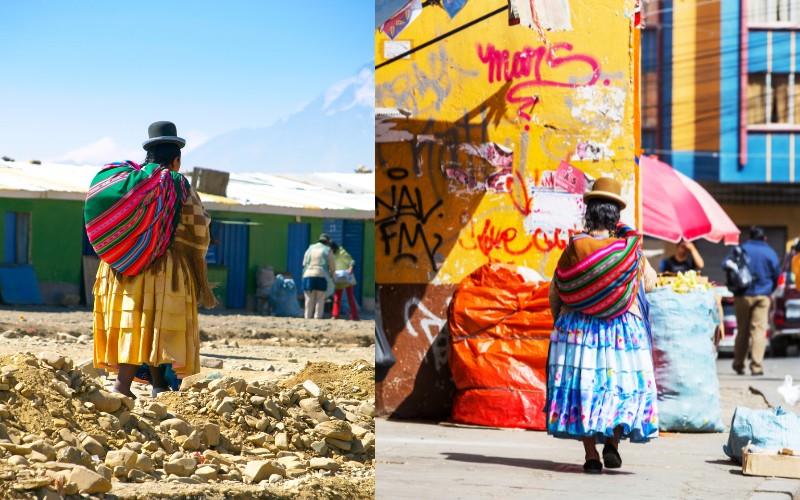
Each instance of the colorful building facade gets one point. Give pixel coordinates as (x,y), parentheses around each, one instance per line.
(721,103)
(487,135)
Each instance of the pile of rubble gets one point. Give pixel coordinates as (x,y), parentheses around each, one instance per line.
(63,433)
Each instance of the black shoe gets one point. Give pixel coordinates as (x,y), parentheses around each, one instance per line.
(611,457)
(739,371)
(757,374)
(593,466)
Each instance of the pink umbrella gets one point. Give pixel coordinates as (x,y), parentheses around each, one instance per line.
(675,207)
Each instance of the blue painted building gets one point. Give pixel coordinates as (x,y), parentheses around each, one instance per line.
(721,103)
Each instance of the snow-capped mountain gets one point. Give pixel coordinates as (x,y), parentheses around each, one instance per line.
(333,133)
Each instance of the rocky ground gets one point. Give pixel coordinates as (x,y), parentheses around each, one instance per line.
(283,408)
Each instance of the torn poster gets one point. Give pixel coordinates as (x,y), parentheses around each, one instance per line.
(402,19)
(499,157)
(555,210)
(539,15)
(570,178)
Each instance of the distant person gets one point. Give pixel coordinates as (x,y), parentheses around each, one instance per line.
(686,258)
(600,379)
(344,280)
(318,267)
(796,263)
(752,305)
(150,230)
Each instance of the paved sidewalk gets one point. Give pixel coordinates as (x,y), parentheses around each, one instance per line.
(425,460)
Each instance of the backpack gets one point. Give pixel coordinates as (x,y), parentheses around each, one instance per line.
(738,280)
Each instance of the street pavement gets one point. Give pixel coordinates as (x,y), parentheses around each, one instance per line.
(420,460)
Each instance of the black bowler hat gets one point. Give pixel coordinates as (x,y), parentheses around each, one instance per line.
(163,133)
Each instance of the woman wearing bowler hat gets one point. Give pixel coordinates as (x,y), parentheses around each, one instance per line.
(150,230)
(600,381)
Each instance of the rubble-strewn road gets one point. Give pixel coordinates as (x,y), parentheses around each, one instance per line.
(263,422)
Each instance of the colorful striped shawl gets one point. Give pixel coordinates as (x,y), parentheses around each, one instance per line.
(131,213)
(603,284)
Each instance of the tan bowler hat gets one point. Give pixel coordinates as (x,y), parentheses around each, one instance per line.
(607,188)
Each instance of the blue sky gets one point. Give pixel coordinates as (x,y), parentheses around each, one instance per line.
(82,79)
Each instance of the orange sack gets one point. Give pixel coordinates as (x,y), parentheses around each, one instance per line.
(500,329)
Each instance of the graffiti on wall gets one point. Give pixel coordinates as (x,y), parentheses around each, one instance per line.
(421,322)
(401,219)
(493,125)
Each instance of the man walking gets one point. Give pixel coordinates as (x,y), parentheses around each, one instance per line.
(752,305)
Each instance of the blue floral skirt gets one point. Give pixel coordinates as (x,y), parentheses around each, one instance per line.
(600,376)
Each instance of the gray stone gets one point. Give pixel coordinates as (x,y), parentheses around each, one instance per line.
(139,476)
(319,447)
(339,443)
(44,448)
(189,443)
(18,460)
(104,401)
(213,363)
(224,407)
(324,463)
(104,471)
(313,409)
(258,391)
(259,470)
(158,409)
(88,481)
(237,384)
(183,467)
(144,463)
(53,359)
(358,431)
(366,409)
(272,409)
(181,426)
(209,434)
(312,388)
(335,429)
(72,455)
(93,447)
(207,472)
(282,441)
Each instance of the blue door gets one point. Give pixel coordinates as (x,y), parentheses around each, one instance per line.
(232,240)
(16,242)
(299,239)
(350,235)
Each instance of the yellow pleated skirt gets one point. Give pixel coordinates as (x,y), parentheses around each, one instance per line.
(142,319)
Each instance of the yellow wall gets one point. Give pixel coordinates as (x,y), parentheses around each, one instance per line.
(436,218)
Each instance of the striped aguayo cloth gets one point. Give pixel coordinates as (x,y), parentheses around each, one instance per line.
(131,213)
(604,284)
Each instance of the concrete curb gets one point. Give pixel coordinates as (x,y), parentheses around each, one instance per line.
(775,489)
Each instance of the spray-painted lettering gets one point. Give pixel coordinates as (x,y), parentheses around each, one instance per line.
(527,64)
(402,229)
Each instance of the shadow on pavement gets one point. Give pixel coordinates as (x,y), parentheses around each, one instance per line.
(525,463)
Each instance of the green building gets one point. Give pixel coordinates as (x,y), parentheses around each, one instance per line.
(264,220)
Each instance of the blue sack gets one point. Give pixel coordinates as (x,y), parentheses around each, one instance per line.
(684,361)
(766,429)
(283,298)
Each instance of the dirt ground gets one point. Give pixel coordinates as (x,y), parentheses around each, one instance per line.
(273,355)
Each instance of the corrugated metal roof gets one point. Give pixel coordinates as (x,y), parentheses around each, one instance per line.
(340,195)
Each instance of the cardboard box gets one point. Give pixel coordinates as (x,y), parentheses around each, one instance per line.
(778,464)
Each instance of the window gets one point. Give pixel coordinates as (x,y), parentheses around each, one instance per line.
(773,98)
(650,89)
(771,12)
(17,242)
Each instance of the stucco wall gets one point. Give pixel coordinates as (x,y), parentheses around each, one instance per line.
(448,199)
